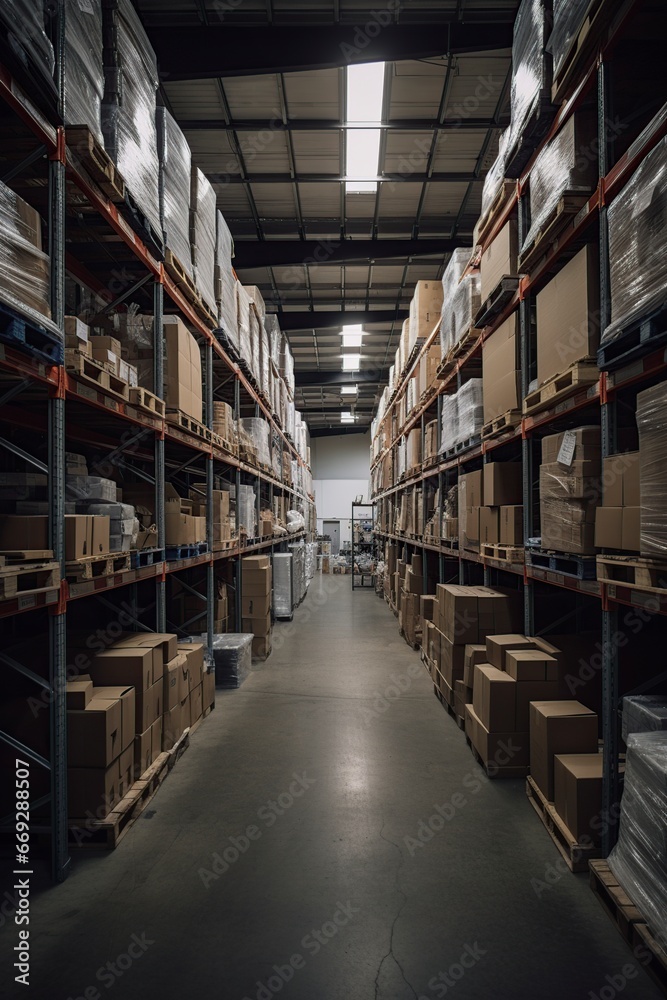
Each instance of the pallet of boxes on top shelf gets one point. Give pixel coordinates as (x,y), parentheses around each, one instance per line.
(225,432)
(498,273)
(183,381)
(578,28)
(460,305)
(501,380)
(501,516)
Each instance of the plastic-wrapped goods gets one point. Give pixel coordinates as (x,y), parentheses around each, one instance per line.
(461,300)
(225,282)
(568,17)
(123,524)
(311,561)
(287,365)
(290,421)
(568,501)
(652,427)
(264,361)
(639,859)
(282,584)
(470,407)
(23,25)
(644,713)
(243,318)
(203,236)
(84,73)
(255,341)
(259,431)
(495,175)
(638,244)
(91,488)
(232,658)
(25,271)
(272,326)
(567,163)
(128,111)
(298,551)
(449,433)
(531,68)
(295,521)
(247,510)
(175,167)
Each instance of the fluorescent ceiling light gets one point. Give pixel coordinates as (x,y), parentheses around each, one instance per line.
(351,340)
(347,418)
(351,328)
(348,390)
(351,362)
(365,88)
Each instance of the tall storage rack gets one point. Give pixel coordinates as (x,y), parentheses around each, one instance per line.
(363,524)
(601,81)
(42,402)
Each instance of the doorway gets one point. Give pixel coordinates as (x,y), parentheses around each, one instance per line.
(332,529)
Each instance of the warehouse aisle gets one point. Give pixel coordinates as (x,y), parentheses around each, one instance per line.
(328,836)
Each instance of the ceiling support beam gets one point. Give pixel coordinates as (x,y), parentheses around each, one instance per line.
(277,124)
(336,318)
(277,253)
(374,376)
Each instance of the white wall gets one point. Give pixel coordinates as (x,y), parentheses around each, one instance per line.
(341,472)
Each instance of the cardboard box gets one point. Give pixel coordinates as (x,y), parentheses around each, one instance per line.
(428,607)
(258,626)
(474,653)
(451,661)
(494,748)
(182,372)
(558,727)
(425,309)
(489,532)
(587,445)
(511,525)
(24,533)
(164,643)
(494,699)
(568,315)
(531,664)
(94,734)
(194,654)
(631,529)
(127,698)
(471,529)
(129,666)
(97,791)
(78,536)
(100,535)
(172,727)
(256,605)
(500,259)
(261,646)
(578,793)
(497,647)
(196,702)
(171,693)
(143,753)
(255,579)
(156,738)
(503,483)
(501,370)
(471,490)
(79,692)
(609,528)
(461,696)
(208,690)
(414,582)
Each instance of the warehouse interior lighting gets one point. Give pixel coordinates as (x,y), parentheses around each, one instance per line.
(365,90)
(351,362)
(348,390)
(347,417)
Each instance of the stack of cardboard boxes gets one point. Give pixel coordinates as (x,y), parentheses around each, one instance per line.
(182,369)
(85,535)
(501,517)
(570,490)
(138,698)
(256,586)
(617,521)
(25,268)
(185,520)
(224,423)
(410,587)
(501,370)
(223,529)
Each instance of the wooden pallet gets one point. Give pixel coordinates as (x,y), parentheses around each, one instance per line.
(633,572)
(97,567)
(180,276)
(637,338)
(24,332)
(508,421)
(229,447)
(9,557)
(629,920)
(500,297)
(568,207)
(147,401)
(508,771)
(463,345)
(581,375)
(505,191)
(96,161)
(576,856)
(99,374)
(188,424)
(28,578)
(595,20)
(174,553)
(416,645)
(534,128)
(146,557)
(565,563)
(226,545)
(503,553)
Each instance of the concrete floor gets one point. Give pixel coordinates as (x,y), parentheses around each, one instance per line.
(485,897)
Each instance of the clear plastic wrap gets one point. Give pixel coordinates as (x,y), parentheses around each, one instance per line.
(272,326)
(96,488)
(567,163)
(282,584)
(470,409)
(264,361)
(84,73)
(298,551)
(295,521)
(23,24)
(175,169)
(311,561)
(568,17)
(652,426)
(259,432)
(232,658)
(644,713)
(568,503)
(638,244)
(639,859)
(255,341)
(530,66)
(290,418)
(243,319)
(225,282)
(203,236)
(24,270)
(128,111)
(287,365)
(461,300)
(247,510)
(495,176)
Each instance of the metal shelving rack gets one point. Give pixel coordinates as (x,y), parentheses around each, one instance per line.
(468,567)
(364,525)
(153,448)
